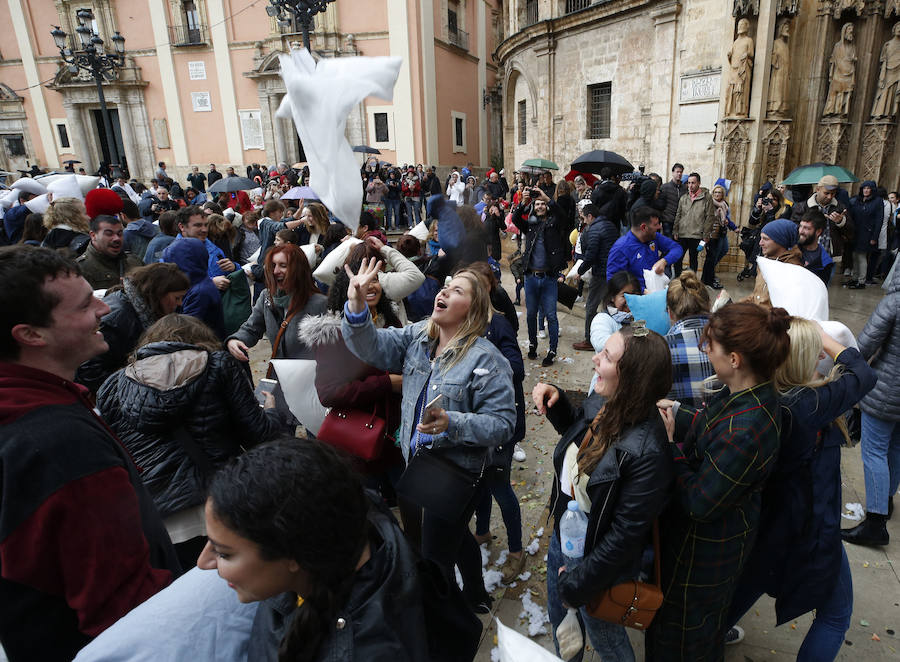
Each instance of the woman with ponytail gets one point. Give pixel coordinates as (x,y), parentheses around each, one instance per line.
(723,455)
(613,460)
(687,302)
(291,527)
(798,557)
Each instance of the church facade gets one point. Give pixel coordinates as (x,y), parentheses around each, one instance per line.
(745,89)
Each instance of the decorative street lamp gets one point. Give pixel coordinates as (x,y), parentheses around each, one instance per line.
(302,10)
(92,57)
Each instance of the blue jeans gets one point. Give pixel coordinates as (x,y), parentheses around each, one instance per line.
(881,461)
(496,480)
(826,634)
(608,639)
(540,292)
(413,209)
(391,213)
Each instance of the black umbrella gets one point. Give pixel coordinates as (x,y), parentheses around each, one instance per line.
(595,160)
(232,184)
(71,161)
(365,149)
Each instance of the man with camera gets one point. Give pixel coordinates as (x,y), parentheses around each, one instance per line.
(545,256)
(840,225)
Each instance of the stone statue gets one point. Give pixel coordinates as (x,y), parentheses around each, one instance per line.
(740,72)
(891,7)
(842,72)
(887,94)
(778,81)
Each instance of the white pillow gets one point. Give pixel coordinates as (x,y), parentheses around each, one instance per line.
(794,288)
(335,259)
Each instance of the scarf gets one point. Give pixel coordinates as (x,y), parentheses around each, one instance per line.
(140,305)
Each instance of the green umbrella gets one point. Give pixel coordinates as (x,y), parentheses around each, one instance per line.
(543,164)
(812,173)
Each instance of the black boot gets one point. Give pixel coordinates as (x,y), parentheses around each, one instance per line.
(871,532)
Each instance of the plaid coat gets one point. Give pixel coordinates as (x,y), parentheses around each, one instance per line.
(690,366)
(729,449)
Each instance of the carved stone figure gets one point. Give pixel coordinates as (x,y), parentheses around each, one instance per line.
(740,72)
(887,93)
(778,81)
(891,7)
(842,72)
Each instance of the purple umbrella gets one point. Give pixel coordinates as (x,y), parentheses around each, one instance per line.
(300,193)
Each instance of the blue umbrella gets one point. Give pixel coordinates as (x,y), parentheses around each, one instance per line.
(300,193)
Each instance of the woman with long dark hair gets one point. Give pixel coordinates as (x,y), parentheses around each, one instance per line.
(612,459)
(444,356)
(334,573)
(723,456)
(290,295)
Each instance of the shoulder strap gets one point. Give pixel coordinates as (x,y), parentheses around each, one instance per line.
(275,345)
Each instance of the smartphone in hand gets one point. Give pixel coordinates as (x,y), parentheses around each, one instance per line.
(264,386)
(432,409)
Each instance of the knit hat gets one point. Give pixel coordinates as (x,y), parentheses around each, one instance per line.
(782,231)
(102,201)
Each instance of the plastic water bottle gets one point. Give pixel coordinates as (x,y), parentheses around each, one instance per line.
(701,245)
(572,533)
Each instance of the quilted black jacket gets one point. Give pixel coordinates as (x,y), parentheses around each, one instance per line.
(173,384)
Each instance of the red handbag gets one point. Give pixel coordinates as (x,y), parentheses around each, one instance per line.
(359,433)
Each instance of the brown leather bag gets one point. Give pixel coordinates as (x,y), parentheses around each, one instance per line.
(633,603)
(277,344)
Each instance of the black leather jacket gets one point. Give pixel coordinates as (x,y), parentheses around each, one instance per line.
(628,489)
(386,618)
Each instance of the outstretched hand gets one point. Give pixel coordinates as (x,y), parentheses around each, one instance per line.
(359,283)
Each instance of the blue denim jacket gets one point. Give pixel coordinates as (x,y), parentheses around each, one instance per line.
(478,390)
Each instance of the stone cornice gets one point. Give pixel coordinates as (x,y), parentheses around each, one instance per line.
(584,19)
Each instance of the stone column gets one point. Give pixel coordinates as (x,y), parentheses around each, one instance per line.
(734,144)
(77,133)
(665,24)
(278,129)
(775,140)
(877,147)
(832,140)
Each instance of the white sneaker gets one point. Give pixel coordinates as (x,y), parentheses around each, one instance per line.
(519,454)
(541,334)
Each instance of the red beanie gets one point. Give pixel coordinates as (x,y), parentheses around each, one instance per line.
(102,201)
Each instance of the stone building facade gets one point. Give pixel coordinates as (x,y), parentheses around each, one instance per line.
(652,79)
(200,83)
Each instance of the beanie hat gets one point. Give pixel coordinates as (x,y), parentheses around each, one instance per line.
(102,201)
(782,231)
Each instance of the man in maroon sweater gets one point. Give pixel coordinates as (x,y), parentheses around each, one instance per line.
(81,542)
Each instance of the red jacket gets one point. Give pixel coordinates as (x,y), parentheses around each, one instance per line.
(81,543)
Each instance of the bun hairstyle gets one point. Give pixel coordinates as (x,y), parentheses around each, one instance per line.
(299,499)
(687,296)
(758,334)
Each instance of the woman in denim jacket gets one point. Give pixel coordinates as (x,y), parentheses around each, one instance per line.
(444,355)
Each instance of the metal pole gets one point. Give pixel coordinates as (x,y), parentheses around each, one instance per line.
(107,123)
(304,26)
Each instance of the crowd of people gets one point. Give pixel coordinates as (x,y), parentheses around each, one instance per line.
(135,444)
